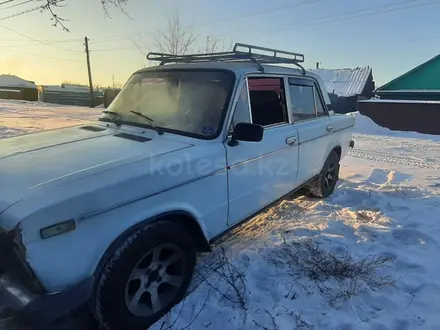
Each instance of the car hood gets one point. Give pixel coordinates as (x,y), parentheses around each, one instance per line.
(36,162)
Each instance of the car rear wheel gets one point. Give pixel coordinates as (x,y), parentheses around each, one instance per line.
(147,275)
(325,184)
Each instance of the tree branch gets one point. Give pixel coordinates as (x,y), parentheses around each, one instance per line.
(51,5)
(177,39)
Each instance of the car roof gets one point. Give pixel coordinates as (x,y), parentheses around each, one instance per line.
(240,69)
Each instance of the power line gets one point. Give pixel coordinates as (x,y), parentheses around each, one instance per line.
(110,39)
(77,61)
(39,55)
(48,41)
(308,24)
(20,13)
(18,4)
(5,2)
(38,41)
(110,50)
(263,12)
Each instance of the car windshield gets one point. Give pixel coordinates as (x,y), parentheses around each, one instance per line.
(187,102)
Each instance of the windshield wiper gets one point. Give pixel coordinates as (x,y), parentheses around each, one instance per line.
(150,121)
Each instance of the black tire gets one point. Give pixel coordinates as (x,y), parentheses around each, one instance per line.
(113,285)
(323,187)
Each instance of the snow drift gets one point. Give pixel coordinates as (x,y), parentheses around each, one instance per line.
(365,125)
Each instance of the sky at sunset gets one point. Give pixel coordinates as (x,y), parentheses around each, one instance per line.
(392,36)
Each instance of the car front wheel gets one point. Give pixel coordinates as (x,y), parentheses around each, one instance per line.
(147,275)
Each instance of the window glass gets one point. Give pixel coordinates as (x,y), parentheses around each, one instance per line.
(267,98)
(319,107)
(303,102)
(185,102)
(241,113)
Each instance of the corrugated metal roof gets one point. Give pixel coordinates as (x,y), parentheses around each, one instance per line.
(344,82)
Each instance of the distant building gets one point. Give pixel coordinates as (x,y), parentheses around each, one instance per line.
(68,94)
(410,102)
(347,86)
(420,83)
(15,88)
(109,95)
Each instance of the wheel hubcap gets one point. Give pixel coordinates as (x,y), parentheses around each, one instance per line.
(155,280)
(330,176)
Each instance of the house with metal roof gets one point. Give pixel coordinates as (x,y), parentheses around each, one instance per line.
(347,86)
(410,102)
(420,83)
(15,88)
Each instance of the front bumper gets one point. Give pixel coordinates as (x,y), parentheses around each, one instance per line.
(23,306)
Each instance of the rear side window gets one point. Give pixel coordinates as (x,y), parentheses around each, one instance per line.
(302,99)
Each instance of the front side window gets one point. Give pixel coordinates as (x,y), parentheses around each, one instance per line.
(268,101)
(181,101)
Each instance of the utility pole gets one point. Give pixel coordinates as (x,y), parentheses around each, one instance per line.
(92,94)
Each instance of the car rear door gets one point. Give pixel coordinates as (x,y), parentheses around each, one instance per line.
(311,119)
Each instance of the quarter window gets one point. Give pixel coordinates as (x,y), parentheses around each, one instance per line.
(319,107)
(241,112)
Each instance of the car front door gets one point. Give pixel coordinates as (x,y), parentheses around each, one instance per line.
(311,120)
(261,172)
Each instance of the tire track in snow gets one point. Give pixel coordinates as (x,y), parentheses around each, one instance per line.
(395,142)
(393,159)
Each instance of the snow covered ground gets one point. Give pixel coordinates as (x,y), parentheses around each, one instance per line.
(365,258)
(19,117)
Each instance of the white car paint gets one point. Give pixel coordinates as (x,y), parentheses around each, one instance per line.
(108,184)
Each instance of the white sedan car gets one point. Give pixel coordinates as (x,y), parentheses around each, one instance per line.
(113,213)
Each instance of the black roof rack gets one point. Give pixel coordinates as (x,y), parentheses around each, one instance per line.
(240,53)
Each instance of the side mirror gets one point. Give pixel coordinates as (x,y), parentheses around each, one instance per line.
(246,132)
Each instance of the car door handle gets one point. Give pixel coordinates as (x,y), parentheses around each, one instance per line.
(329,128)
(291,140)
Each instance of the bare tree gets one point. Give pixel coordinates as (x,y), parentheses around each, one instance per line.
(213,45)
(52,5)
(177,39)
